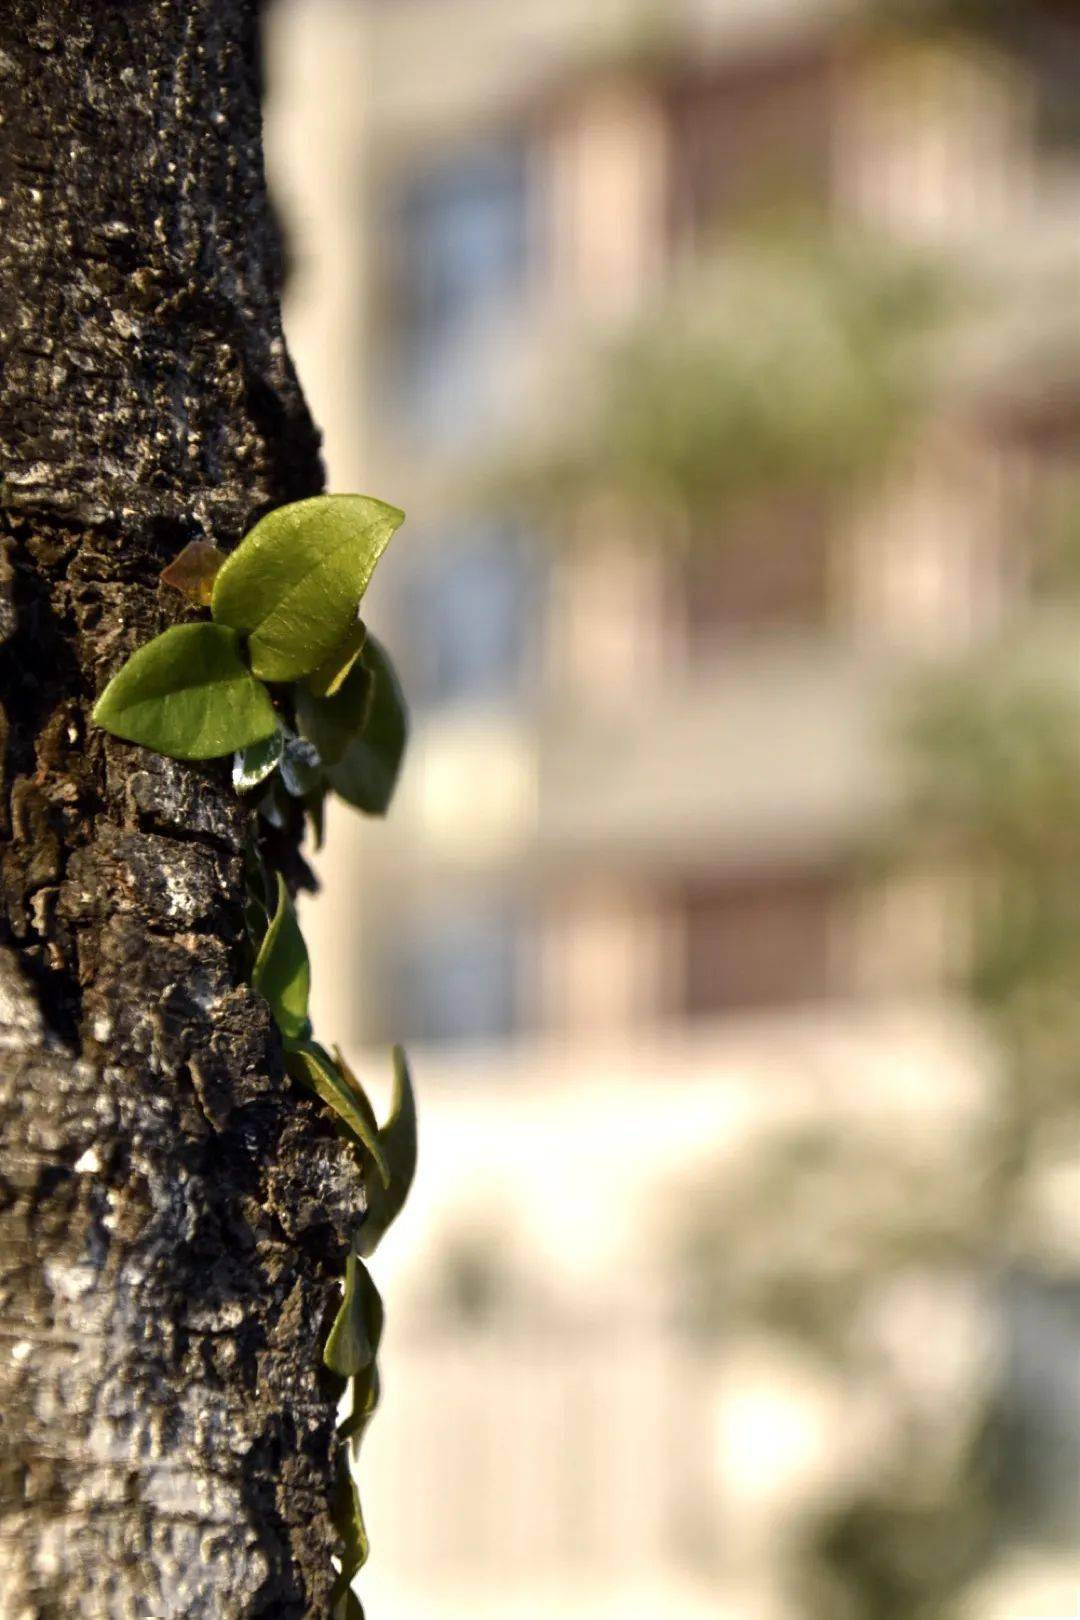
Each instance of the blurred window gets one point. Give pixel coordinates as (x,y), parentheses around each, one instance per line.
(745,140)
(457,975)
(460,268)
(758,942)
(471,614)
(768,569)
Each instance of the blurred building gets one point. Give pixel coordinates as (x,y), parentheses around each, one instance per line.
(622,908)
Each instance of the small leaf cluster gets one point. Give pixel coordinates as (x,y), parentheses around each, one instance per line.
(284,675)
(352,1346)
(387,1152)
(282,976)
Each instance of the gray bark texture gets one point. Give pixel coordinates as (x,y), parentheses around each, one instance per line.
(173,1211)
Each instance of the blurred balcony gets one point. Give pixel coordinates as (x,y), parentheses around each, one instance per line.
(777,750)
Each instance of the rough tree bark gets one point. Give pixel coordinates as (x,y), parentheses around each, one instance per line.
(172,1210)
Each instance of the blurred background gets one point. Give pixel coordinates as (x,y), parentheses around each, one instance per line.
(726,356)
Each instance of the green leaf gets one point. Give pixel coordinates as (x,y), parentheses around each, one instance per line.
(325,681)
(367,772)
(354,1338)
(333,722)
(282,973)
(397,1139)
(340,1090)
(398,1135)
(346,1604)
(349,1521)
(364,1398)
(254,764)
(373,1139)
(293,584)
(192,571)
(188,693)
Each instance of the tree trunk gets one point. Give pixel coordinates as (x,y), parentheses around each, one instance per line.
(173,1212)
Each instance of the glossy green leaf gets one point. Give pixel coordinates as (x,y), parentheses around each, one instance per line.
(349,1521)
(192,571)
(325,681)
(373,1139)
(293,583)
(333,722)
(397,1139)
(354,1338)
(357,1542)
(367,772)
(340,1090)
(282,973)
(189,694)
(252,765)
(398,1135)
(363,1399)
(346,1604)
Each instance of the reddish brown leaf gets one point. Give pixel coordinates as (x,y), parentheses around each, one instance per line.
(193,571)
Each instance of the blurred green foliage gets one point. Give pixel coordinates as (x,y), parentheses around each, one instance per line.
(996,752)
(795,358)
